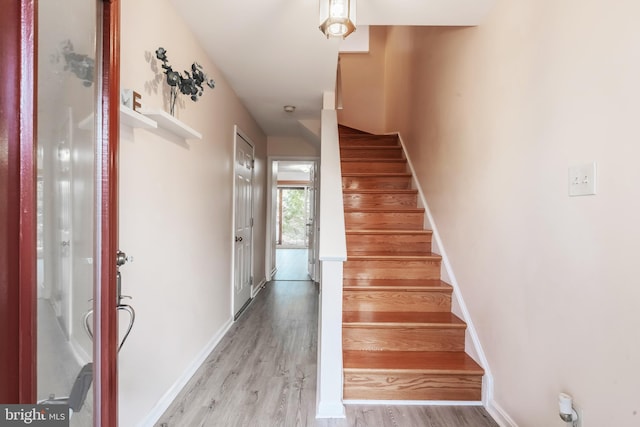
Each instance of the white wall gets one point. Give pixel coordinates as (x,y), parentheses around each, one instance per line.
(176,213)
(493,117)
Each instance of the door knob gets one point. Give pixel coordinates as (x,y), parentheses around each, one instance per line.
(238,239)
(65,243)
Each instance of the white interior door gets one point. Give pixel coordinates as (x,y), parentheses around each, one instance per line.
(243,246)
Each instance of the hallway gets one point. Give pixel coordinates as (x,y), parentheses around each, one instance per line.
(263,373)
(292,264)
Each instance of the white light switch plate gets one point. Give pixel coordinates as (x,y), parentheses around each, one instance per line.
(582,180)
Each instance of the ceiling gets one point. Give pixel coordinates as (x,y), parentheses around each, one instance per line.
(273,54)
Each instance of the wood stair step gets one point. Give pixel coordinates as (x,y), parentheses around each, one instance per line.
(371,152)
(411,375)
(384,218)
(402,331)
(402,319)
(373,165)
(442,362)
(396,266)
(391,284)
(397,298)
(369,140)
(399,180)
(388,256)
(390,240)
(375,198)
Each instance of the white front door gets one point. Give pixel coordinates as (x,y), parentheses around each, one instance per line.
(243,246)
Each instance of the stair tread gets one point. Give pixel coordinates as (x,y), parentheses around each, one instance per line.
(396,318)
(377,174)
(379,191)
(365,135)
(436,362)
(370,147)
(385,209)
(360,159)
(387,232)
(396,284)
(386,255)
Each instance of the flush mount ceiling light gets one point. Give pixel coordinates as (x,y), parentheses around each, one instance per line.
(289,108)
(337,17)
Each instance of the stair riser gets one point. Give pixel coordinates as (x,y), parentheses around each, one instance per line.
(384,220)
(393,269)
(346,142)
(394,243)
(371,153)
(396,301)
(370,338)
(385,200)
(373,167)
(412,386)
(374,182)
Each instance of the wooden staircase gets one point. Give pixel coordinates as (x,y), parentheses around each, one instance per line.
(400,339)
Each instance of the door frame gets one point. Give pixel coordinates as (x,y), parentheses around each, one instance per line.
(18,288)
(272,187)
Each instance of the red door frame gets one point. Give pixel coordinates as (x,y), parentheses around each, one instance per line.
(18,37)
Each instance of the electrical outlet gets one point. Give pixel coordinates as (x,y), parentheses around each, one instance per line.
(582,180)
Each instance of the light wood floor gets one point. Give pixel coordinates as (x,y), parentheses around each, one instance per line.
(263,373)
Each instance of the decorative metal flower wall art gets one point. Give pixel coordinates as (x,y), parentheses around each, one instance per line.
(190,83)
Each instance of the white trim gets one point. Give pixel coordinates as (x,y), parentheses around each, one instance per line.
(331,410)
(270,228)
(172,393)
(255,290)
(414,402)
(499,415)
(487,385)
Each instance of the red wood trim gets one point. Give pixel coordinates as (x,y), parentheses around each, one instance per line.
(17,203)
(28,205)
(107,398)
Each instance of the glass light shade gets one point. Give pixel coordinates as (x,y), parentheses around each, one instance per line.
(337,17)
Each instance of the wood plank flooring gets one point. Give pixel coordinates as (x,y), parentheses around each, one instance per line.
(263,373)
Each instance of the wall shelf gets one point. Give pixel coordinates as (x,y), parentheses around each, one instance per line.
(173,125)
(134,119)
(128,117)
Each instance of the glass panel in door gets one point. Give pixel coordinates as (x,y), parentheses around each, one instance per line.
(66,216)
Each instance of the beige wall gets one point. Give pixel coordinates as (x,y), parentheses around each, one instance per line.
(493,117)
(363,85)
(176,213)
(291,146)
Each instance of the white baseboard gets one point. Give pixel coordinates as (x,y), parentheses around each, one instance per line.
(167,399)
(256,289)
(500,415)
(414,402)
(333,409)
